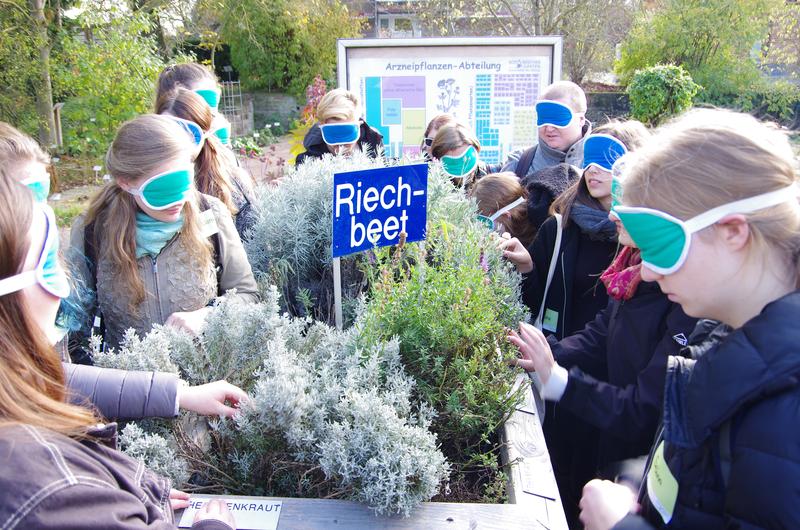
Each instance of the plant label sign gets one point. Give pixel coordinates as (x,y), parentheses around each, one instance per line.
(250,513)
(372,208)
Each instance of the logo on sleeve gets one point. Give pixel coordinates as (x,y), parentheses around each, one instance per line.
(681,339)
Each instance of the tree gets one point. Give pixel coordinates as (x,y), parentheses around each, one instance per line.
(17,54)
(591,29)
(283,44)
(782,47)
(712,39)
(106,75)
(43,84)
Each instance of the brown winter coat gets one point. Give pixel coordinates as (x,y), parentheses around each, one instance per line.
(51,481)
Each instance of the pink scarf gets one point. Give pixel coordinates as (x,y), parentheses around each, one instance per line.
(622,277)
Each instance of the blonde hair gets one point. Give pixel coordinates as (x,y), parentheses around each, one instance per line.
(213,172)
(338,104)
(141,147)
(707,158)
(32,389)
(17,148)
(498,190)
(452,136)
(633,134)
(184,75)
(566,91)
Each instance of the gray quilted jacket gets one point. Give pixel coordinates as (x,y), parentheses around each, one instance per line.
(122,394)
(173,280)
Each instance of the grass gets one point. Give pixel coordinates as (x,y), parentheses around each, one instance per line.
(66,213)
(795,140)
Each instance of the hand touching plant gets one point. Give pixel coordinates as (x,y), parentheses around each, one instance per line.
(534,351)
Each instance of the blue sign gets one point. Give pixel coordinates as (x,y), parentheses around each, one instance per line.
(372,208)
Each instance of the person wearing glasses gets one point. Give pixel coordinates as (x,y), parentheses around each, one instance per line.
(60,468)
(438,121)
(340,129)
(712,203)
(202,81)
(458,150)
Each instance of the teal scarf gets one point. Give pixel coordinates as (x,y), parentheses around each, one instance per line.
(153,235)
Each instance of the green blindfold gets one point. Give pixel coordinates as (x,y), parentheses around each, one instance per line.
(166,189)
(460,166)
(664,240)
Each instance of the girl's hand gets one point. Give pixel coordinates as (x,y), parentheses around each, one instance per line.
(535,353)
(215,509)
(178,499)
(605,503)
(209,399)
(516,253)
(191,321)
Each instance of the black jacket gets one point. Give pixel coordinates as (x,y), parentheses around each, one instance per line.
(617,365)
(370,141)
(544,186)
(748,383)
(576,293)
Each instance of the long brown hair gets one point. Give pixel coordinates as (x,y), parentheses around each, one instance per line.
(141,146)
(632,134)
(213,173)
(498,190)
(182,75)
(32,387)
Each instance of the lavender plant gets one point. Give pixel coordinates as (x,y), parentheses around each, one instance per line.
(326,417)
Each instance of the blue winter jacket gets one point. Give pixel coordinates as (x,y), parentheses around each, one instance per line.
(747,385)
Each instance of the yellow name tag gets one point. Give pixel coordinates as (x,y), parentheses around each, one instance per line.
(662,488)
(208,223)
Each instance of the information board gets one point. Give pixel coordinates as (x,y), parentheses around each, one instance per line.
(491,84)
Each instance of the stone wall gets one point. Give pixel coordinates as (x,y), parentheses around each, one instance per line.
(604,105)
(269,107)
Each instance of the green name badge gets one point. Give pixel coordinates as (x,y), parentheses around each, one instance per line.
(208,223)
(550,320)
(662,488)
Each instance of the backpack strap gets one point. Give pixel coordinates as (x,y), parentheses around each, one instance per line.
(205,205)
(725,452)
(553,261)
(525,161)
(98,324)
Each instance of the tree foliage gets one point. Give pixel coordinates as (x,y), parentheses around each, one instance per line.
(591,29)
(106,75)
(17,54)
(660,92)
(283,44)
(782,48)
(713,40)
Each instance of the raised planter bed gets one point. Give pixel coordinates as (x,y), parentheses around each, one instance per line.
(534,501)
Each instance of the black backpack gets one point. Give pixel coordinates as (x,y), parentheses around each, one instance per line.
(525,161)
